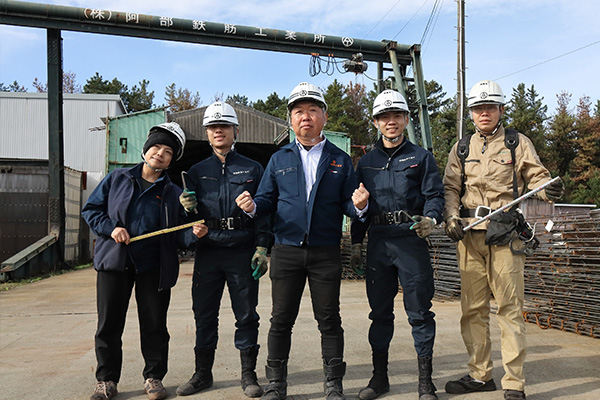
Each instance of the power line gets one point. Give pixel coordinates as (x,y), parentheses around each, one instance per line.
(382,18)
(432,19)
(547,61)
(411,18)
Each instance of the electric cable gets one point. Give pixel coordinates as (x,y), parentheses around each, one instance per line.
(382,18)
(547,61)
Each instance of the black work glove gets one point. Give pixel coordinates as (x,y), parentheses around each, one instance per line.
(454,228)
(356,259)
(423,227)
(555,190)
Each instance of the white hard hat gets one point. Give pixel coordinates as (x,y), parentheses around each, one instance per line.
(307,92)
(220,113)
(389,100)
(175,132)
(485,92)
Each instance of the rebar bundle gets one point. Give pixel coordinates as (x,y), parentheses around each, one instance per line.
(562,277)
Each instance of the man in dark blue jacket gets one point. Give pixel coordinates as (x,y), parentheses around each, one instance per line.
(130,202)
(401,186)
(308,185)
(225,254)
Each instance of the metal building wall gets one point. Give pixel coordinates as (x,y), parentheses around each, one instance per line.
(127,134)
(255,126)
(25,134)
(24,208)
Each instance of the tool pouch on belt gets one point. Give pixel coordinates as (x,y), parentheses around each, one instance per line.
(503,227)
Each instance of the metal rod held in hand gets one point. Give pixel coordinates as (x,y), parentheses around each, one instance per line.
(166,230)
(512,203)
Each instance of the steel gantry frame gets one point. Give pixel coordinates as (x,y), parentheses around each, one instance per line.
(56,18)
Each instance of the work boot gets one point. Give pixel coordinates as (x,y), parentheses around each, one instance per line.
(104,390)
(466,384)
(154,389)
(250,384)
(426,387)
(202,378)
(514,395)
(334,371)
(379,383)
(276,371)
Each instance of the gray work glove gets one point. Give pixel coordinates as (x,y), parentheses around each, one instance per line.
(454,228)
(259,262)
(423,227)
(188,201)
(555,190)
(356,259)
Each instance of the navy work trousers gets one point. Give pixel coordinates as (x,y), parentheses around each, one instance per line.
(291,266)
(113,291)
(405,258)
(213,267)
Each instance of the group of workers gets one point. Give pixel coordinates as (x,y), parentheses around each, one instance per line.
(293,210)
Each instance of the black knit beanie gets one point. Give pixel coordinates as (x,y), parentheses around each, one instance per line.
(159,136)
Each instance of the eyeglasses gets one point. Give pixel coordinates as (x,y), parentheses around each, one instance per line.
(485,107)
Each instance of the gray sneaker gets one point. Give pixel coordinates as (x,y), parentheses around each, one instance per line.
(155,389)
(104,390)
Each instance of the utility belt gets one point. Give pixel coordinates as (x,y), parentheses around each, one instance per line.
(227,224)
(391,218)
(505,227)
(479,212)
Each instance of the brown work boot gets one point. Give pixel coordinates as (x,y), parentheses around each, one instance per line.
(155,389)
(104,390)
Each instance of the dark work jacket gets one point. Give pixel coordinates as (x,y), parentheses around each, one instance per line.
(408,180)
(158,207)
(217,185)
(282,191)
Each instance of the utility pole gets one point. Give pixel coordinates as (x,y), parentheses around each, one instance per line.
(460,92)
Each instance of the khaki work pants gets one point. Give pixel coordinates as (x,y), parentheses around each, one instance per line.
(495,269)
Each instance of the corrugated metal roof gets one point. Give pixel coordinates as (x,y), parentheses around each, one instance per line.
(255,126)
(25,134)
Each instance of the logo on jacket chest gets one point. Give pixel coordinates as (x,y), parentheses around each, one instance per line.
(335,164)
(241,172)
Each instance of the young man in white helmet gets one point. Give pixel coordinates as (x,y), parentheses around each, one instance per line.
(233,252)
(130,202)
(308,186)
(490,169)
(401,186)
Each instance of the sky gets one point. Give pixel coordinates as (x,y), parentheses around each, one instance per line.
(553,45)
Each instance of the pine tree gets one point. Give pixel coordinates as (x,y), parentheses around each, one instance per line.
(13,87)
(274,105)
(585,168)
(181,99)
(526,113)
(561,134)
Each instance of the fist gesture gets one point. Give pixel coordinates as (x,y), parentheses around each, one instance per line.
(245,202)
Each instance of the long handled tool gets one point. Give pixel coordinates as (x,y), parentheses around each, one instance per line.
(509,205)
(166,230)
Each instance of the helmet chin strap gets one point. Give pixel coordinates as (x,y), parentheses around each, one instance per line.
(391,140)
(153,169)
(493,132)
(227,152)
(394,140)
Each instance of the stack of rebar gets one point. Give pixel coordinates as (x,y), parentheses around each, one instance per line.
(562,277)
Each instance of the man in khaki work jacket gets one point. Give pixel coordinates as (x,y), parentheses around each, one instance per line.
(490,169)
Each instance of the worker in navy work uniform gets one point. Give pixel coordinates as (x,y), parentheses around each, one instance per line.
(234,251)
(404,196)
(308,185)
(130,202)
